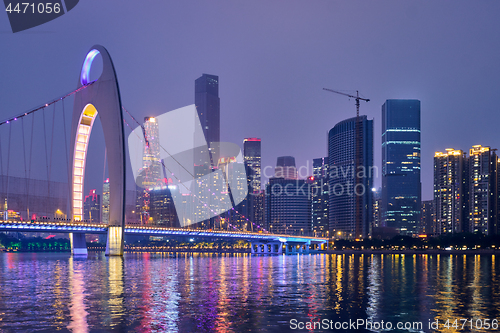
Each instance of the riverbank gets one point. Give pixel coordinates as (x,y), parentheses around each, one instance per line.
(411,252)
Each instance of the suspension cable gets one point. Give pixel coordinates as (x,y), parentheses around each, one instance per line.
(29,165)
(9,120)
(24,157)
(163,164)
(46,156)
(184,185)
(51,145)
(68,203)
(1,164)
(8,164)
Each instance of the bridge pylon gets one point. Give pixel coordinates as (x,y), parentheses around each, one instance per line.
(101,98)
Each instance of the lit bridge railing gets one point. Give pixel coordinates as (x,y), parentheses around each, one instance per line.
(96,228)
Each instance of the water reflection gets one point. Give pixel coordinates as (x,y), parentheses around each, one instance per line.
(77,307)
(162,292)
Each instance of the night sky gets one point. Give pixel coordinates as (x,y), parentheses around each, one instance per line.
(273,58)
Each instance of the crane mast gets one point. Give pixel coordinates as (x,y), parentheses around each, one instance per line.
(358,199)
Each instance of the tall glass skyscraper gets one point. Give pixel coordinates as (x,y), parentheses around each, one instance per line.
(206,99)
(151,172)
(252,155)
(151,163)
(401,188)
(319,197)
(345,189)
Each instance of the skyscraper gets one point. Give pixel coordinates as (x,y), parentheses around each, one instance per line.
(162,210)
(401,187)
(285,168)
(428,218)
(105,202)
(207,103)
(346,184)
(92,207)
(288,206)
(319,197)
(206,98)
(151,172)
(377,201)
(252,155)
(483,190)
(151,163)
(450,191)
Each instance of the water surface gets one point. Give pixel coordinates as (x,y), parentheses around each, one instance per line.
(165,292)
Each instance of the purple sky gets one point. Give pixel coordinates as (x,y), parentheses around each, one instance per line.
(273,58)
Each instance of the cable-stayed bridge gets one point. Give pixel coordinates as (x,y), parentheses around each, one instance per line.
(98,99)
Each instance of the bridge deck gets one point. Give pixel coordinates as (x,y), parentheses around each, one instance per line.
(96,228)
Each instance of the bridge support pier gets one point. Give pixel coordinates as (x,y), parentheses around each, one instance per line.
(114,244)
(301,248)
(78,244)
(267,248)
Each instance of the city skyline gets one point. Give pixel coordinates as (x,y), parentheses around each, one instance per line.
(269,74)
(178,166)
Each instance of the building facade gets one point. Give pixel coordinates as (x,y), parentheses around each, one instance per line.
(105,202)
(163,211)
(450,191)
(483,190)
(285,168)
(252,158)
(428,225)
(151,173)
(206,99)
(288,206)
(319,197)
(92,207)
(401,187)
(349,183)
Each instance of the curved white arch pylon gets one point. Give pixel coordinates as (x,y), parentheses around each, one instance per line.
(102,99)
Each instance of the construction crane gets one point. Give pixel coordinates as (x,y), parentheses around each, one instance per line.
(357,98)
(358,201)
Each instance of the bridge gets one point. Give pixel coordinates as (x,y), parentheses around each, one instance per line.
(260,243)
(101,98)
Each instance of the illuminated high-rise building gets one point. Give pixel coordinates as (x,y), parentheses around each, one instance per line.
(377,202)
(151,172)
(401,187)
(206,99)
(105,202)
(483,190)
(162,211)
(206,158)
(450,191)
(319,197)
(259,204)
(151,163)
(348,184)
(92,207)
(288,206)
(252,155)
